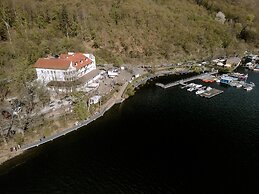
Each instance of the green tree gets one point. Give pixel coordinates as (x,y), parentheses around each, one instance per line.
(43,94)
(64,23)
(80,106)
(80,110)
(130,91)
(248,34)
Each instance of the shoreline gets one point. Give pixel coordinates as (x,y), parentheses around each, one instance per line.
(5,158)
(115,99)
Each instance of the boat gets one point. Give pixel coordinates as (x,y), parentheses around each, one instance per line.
(208,80)
(256,68)
(190,89)
(233,84)
(248,88)
(252,84)
(208,88)
(198,86)
(227,79)
(190,85)
(200,91)
(239,76)
(239,85)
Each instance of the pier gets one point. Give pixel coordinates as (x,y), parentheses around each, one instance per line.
(209,94)
(182,81)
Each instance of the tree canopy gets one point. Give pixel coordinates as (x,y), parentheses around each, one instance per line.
(121,31)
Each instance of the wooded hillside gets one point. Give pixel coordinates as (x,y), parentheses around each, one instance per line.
(121,31)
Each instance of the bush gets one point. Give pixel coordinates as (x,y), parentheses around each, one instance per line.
(130,91)
(18,138)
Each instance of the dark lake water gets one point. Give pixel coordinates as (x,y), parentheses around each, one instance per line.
(158,141)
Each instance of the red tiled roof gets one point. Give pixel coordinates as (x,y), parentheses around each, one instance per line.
(52,63)
(78,60)
(63,56)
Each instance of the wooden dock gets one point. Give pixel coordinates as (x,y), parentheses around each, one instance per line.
(182,81)
(209,94)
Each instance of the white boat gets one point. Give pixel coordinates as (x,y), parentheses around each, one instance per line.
(252,84)
(239,85)
(198,86)
(191,85)
(248,88)
(232,84)
(208,88)
(199,91)
(190,89)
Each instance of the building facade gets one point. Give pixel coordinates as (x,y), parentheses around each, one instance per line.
(66,67)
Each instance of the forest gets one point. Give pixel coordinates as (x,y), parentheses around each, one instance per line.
(120,31)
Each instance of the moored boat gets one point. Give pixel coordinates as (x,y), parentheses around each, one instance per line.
(239,76)
(248,88)
(200,91)
(208,80)
(239,85)
(190,89)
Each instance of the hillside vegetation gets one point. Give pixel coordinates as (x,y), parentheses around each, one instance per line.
(120,31)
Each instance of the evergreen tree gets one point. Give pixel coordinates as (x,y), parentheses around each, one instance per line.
(64,23)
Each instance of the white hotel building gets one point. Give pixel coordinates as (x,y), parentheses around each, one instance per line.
(67,70)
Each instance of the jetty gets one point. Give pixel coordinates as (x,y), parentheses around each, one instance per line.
(182,81)
(211,93)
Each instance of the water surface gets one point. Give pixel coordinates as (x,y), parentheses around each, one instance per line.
(158,141)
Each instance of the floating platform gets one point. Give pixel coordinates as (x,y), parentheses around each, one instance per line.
(211,93)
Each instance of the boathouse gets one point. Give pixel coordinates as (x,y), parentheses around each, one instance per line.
(226,79)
